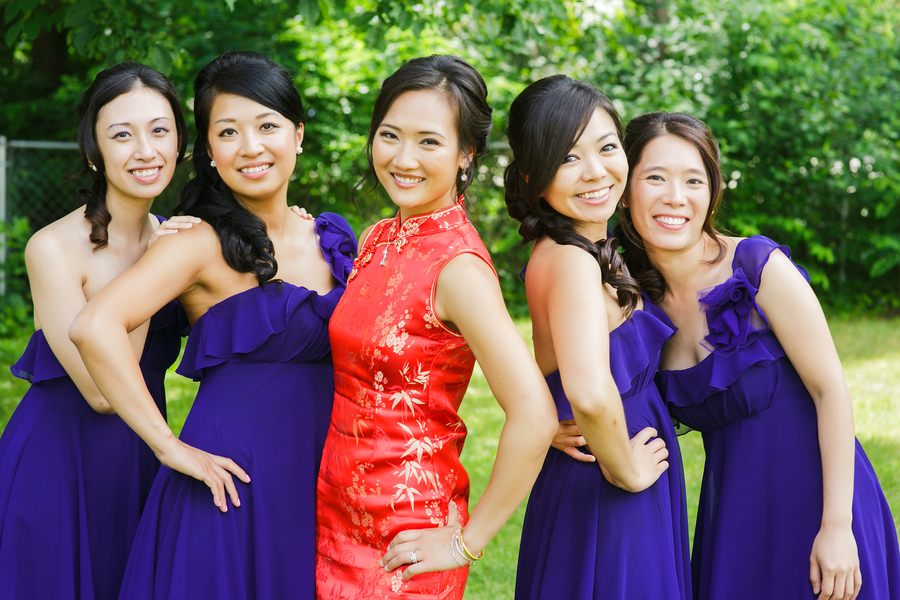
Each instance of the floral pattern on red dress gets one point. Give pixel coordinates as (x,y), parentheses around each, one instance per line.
(391,461)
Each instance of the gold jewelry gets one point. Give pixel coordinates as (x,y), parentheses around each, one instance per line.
(466,553)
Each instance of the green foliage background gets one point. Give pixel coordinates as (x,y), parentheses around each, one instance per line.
(802,94)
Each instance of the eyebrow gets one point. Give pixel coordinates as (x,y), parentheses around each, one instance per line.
(129,124)
(395,128)
(661,168)
(258,117)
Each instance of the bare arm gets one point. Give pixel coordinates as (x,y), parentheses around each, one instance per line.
(57,291)
(796,318)
(566,289)
(100,331)
(468,296)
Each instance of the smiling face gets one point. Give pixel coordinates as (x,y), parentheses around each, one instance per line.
(669,195)
(416,152)
(589,183)
(254,146)
(137,138)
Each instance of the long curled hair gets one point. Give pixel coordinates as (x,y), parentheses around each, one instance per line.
(245,243)
(545,122)
(467,92)
(108,85)
(639,132)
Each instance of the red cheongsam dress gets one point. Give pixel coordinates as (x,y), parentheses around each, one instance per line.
(391,460)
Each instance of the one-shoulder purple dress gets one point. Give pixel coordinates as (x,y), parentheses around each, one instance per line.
(266,389)
(73,482)
(761,496)
(584,538)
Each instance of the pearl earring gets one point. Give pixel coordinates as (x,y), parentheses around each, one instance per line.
(299,149)
(94,168)
(212,163)
(464,177)
(177,154)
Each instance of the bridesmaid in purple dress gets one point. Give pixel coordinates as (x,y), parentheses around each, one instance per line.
(790,506)
(259,346)
(73,476)
(598,344)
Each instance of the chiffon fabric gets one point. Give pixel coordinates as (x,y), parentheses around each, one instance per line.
(391,461)
(761,496)
(266,387)
(73,482)
(586,539)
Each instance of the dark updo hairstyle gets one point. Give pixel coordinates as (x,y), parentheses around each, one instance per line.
(467,93)
(545,122)
(246,246)
(108,85)
(639,132)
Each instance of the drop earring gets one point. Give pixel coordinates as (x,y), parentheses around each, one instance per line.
(212,163)
(464,177)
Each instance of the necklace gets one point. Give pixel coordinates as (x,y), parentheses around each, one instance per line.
(400,240)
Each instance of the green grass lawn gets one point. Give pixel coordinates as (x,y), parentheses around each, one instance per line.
(869,348)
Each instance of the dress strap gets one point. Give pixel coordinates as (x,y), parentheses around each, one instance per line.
(752,254)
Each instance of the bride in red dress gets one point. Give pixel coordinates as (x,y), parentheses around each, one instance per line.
(422,303)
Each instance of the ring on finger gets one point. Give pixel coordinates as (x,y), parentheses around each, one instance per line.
(412,557)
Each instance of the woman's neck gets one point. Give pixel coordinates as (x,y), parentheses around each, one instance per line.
(594,232)
(129,221)
(273,210)
(684,270)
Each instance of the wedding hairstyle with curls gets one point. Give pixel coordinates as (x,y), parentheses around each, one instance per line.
(467,92)
(108,85)
(246,246)
(545,122)
(639,132)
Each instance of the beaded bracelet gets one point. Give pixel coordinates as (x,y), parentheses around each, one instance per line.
(466,553)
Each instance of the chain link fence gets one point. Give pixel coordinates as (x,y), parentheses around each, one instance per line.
(32,184)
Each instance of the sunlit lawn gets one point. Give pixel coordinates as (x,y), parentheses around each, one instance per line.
(870,351)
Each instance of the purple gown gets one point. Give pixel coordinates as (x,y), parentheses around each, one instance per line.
(267,385)
(73,482)
(761,497)
(583,538)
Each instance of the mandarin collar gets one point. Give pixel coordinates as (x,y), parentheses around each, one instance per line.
(438,220)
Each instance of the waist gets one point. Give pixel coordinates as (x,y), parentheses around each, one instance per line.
(757,392)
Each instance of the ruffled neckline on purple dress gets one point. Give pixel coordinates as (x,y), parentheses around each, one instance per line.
(738,338)
(38,363)
(266,312)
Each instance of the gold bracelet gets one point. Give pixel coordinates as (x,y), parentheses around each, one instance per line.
(469,555)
